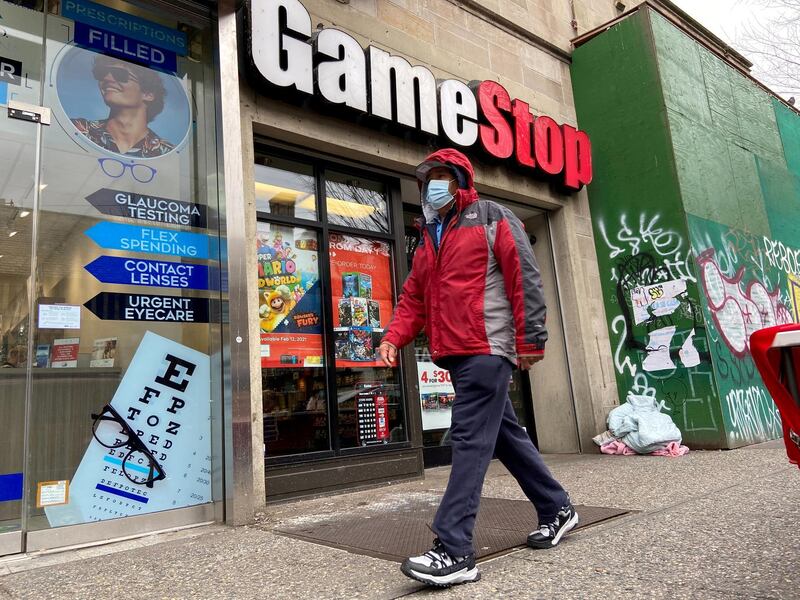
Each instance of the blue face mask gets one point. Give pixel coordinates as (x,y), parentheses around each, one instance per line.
(437,194)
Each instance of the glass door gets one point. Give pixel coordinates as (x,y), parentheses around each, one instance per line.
(110,277)
(21,33)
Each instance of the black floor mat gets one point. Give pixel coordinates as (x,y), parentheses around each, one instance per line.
(502,525)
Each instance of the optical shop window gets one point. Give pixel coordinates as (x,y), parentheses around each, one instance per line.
(118,388)
(322,314)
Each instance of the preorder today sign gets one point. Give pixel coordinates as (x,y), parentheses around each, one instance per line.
(164,398)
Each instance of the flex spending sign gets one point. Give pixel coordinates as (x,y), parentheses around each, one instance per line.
(333,66)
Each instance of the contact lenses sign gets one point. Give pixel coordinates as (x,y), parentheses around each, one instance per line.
(150,449)
(156,273)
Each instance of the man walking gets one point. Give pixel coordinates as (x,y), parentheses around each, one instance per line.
(475,288)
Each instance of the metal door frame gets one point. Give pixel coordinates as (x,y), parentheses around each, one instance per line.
(10,542)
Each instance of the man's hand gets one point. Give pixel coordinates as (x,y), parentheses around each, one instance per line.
(388,353)
(527,361)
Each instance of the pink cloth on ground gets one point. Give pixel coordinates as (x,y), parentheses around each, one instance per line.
(672,449)
(616,447)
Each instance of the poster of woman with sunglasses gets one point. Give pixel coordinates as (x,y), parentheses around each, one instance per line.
(124,108)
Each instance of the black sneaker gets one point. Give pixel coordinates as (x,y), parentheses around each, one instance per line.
(549,534)
(436,567)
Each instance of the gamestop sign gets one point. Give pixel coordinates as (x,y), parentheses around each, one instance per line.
(331,65)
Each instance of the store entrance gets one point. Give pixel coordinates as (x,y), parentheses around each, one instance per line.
(109,275)
(436,394)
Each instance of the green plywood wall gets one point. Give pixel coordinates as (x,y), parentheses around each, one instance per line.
(735,185)
(652,302)
(696,192)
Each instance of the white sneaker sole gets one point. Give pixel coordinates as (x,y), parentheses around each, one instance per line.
(568,526)
(464,576)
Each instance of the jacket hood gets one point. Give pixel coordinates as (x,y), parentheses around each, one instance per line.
(451,158)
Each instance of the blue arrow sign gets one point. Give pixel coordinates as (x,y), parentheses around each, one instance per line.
(151,240)
(156,273)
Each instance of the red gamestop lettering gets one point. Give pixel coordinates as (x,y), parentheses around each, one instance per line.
(537,142)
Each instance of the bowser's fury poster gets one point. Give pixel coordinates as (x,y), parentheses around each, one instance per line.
(289,298)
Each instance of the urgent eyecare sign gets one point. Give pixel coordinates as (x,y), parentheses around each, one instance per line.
(333,66)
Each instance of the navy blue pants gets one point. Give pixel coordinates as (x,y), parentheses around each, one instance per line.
(483,424)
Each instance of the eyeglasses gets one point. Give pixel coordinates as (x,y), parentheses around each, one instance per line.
(139,464)
(115,168)
(120,74)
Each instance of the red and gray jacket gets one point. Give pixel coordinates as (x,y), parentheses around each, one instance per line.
(480,291)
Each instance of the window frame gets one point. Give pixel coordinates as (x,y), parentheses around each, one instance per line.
(394,237)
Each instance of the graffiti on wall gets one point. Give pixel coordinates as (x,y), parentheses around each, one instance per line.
(650,269)
(657,328)
(753,414)
(746,285)
(739,307)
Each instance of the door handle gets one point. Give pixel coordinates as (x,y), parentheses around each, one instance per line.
(28,112)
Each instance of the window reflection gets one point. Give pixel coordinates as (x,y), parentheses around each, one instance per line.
(295,411)
(285,188)
(356,202)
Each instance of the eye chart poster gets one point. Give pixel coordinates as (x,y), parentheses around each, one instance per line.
(165,398)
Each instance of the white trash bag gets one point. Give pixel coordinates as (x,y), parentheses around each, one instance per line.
(640,424)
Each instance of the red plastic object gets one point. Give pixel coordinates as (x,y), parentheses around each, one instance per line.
(776,352)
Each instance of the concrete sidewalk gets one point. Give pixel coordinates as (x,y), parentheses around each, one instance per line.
(712,525)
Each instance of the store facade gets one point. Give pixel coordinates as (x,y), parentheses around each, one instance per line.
(199,252)
(338,104)
(110,272)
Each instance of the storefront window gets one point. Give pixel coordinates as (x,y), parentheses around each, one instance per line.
(369,398)
(356,202)
(320,371)
(292,349)
(118,312)
(285,188)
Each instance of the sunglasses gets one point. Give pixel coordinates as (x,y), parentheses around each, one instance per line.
(120,74)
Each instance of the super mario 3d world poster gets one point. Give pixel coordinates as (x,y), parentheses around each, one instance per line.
(289,299)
